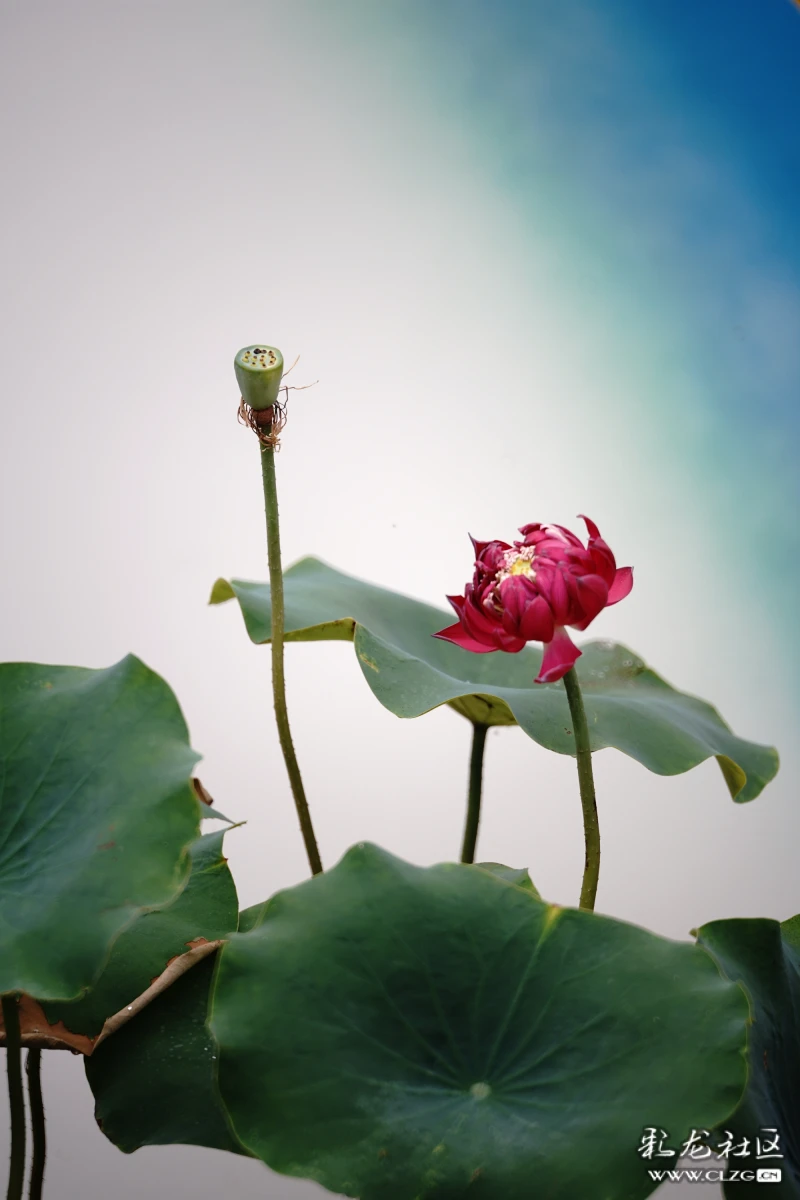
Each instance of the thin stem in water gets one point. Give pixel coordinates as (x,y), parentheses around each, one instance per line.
(479,732)
(278,678)
(33,1068)
(16,1097)
(591,825)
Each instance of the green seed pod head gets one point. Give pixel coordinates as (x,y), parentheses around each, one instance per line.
(258,372)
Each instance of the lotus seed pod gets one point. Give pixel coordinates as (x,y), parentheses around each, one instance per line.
(258,372)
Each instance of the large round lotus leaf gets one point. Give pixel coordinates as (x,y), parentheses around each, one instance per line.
(516,875)
(399,1033)
(153,1080)
(764,957)
(628,706)
(96,814)
(206,910)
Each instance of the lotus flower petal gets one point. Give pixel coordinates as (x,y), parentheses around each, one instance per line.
(531,591)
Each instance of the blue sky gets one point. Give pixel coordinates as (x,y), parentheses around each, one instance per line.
(655,146)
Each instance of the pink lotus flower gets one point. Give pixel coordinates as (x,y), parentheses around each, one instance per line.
(530,591)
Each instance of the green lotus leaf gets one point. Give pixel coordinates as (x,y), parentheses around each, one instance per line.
(252,916)
(153,1080)
(206,910)
(400,1033)
(96,816)
(207,813)
(516,875)
(628,705)
(764,956)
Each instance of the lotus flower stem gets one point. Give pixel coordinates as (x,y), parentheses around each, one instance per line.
(33,1068)
(278,677)
(479,732)
(591,825)
(16,1169)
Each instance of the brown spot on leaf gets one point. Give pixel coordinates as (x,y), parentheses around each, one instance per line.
(201,792)
(38,1032)
(193,945)
(200,948)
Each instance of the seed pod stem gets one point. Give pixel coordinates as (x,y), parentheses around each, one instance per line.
(259,371)
(278,677)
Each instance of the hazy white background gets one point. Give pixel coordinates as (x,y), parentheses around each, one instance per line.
(186,178)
